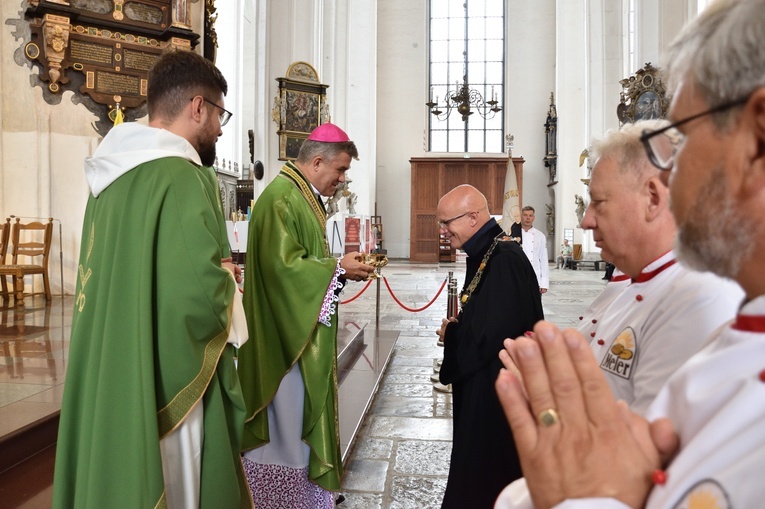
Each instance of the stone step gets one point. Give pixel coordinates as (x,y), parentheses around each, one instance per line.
(361,365)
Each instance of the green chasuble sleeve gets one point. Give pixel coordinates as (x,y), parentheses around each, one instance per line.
(210,179)
(148,343)
(288,273)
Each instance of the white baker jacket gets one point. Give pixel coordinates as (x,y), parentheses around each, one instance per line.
(535,246)
(716,404)
(656,323)
(662,319)
(589,321)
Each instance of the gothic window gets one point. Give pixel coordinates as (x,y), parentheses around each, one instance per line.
(467,46)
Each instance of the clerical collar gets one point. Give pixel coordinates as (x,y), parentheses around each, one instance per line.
(479,239)
(656,267)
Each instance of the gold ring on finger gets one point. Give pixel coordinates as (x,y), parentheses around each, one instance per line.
(547,418)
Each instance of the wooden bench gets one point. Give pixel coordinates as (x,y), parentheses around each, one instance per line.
(585,263)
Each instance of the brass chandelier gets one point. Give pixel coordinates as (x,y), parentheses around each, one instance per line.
(464,100)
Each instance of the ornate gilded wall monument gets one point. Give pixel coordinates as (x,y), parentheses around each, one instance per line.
(643,96)
(300,107)
(103,49)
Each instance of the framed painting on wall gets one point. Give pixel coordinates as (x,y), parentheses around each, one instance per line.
(299,108)
(643,96)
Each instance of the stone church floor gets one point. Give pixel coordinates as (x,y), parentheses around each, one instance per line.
(400,458)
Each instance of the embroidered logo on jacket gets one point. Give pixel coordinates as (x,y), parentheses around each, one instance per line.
(706,494)
(620,356)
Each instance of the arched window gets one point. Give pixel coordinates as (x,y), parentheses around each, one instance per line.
(467,47)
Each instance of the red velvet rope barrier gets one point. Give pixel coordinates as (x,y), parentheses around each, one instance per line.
(358,294)
(426,306)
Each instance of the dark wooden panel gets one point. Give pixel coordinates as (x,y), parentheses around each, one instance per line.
(425,183)
(480,178)
(423,244)
(495,202)
(434,177)
(453,175)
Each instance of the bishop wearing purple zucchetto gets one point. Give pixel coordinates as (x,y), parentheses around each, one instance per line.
(288,370)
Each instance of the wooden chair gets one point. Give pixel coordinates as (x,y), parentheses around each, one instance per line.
(5,237)
(24,246)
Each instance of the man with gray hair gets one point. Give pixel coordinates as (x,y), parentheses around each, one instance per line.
(638,339)
(712,407)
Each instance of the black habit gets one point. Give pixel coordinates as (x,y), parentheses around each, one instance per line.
(505,304)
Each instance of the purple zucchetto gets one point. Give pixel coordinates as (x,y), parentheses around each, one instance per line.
(328,133)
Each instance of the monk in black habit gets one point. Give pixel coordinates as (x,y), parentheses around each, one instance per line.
(499,300)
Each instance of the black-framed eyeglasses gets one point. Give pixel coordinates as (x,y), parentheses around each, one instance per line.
(223,117)
(443,224)
(661,144)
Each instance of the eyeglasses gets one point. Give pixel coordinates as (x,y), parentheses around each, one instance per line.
(223,117)
(661,144)
(443,224)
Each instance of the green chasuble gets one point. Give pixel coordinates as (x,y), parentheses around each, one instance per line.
(213,190)
(289,270)
(148,342)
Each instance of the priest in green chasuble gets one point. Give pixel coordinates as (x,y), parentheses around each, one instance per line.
(288,369)
(152,414)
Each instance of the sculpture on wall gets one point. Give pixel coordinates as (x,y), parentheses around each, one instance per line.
(580,208)
(551,142)
(211,36)
(509,144)
(342,191)
(333,204)
(350,202)
(551,219)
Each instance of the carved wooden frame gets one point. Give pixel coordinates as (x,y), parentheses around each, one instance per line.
(300,107)
(643,96)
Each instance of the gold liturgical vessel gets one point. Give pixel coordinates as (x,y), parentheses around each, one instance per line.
(376,260)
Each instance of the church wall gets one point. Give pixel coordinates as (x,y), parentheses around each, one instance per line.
(591,61)
(42,148)
(573,102)
(374,57)
(402,115)
(402,90)
(337,37)
(530,72)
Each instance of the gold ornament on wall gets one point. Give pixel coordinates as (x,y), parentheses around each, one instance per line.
(101,50)
(643,96)
(299,108)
